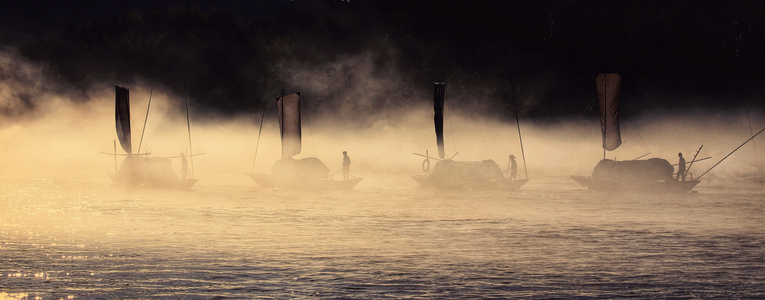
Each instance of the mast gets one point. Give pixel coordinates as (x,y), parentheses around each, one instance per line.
(438,118)
(518,124)
(188,125)
(145,120)
(605,113)
(260,129)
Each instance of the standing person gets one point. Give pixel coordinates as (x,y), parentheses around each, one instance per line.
(184,167)
(346,165)
(680,167)
(513,167)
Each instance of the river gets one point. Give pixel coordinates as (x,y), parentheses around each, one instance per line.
(82,238)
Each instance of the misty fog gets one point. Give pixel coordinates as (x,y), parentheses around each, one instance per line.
(61,134)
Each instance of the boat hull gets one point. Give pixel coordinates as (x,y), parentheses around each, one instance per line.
(176,185)
(658,186)
(468,175)
(267,181)
(166,185)
(507,185)
(149,173)
(263,180)
(341,184)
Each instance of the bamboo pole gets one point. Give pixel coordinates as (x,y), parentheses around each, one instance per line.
(605,114)
(260,129)
(754,145)
(518,124)
(188,125)
(729,154)
(144,121)
(692,161)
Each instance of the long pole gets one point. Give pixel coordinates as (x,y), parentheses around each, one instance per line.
(754,145)
(518,124)
(144,121)
(692,161)
(644,155)
(188,125)
(260,129)
(734,150)
(279,112)
(605,113)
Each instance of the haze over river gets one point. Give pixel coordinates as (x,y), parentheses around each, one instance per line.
(82,239)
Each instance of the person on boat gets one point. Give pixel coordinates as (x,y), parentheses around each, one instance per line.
(184,167)
(346,165)
(680,167)
(513,167)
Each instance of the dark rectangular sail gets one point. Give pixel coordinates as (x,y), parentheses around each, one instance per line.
(289,124)
(122,117)
(609,86)
(438,119)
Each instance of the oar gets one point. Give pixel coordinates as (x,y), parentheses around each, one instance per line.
(700,159)
(426,156)
(177,156)
(644,155)
(135,154)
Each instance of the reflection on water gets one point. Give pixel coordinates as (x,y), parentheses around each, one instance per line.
(84,239)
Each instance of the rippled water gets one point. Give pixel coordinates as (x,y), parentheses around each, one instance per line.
(81,238)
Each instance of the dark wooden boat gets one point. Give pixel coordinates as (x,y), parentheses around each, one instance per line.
(139,170)
(297,174)
(649,175)
(452,174)
(652,175)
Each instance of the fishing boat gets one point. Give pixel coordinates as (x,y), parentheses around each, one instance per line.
(138,169)
(647,175)
(466,175)
(291,173)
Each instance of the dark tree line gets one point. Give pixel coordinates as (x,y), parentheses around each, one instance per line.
(228,54)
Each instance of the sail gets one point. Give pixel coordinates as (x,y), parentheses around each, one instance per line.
(438,119)
(609,86)
(122,117)
(289,124)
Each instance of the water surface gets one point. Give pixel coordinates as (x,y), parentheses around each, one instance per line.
(82,238)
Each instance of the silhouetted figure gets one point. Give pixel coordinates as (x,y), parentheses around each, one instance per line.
(680,168)
(513,167)
(346,165)
(184,167)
